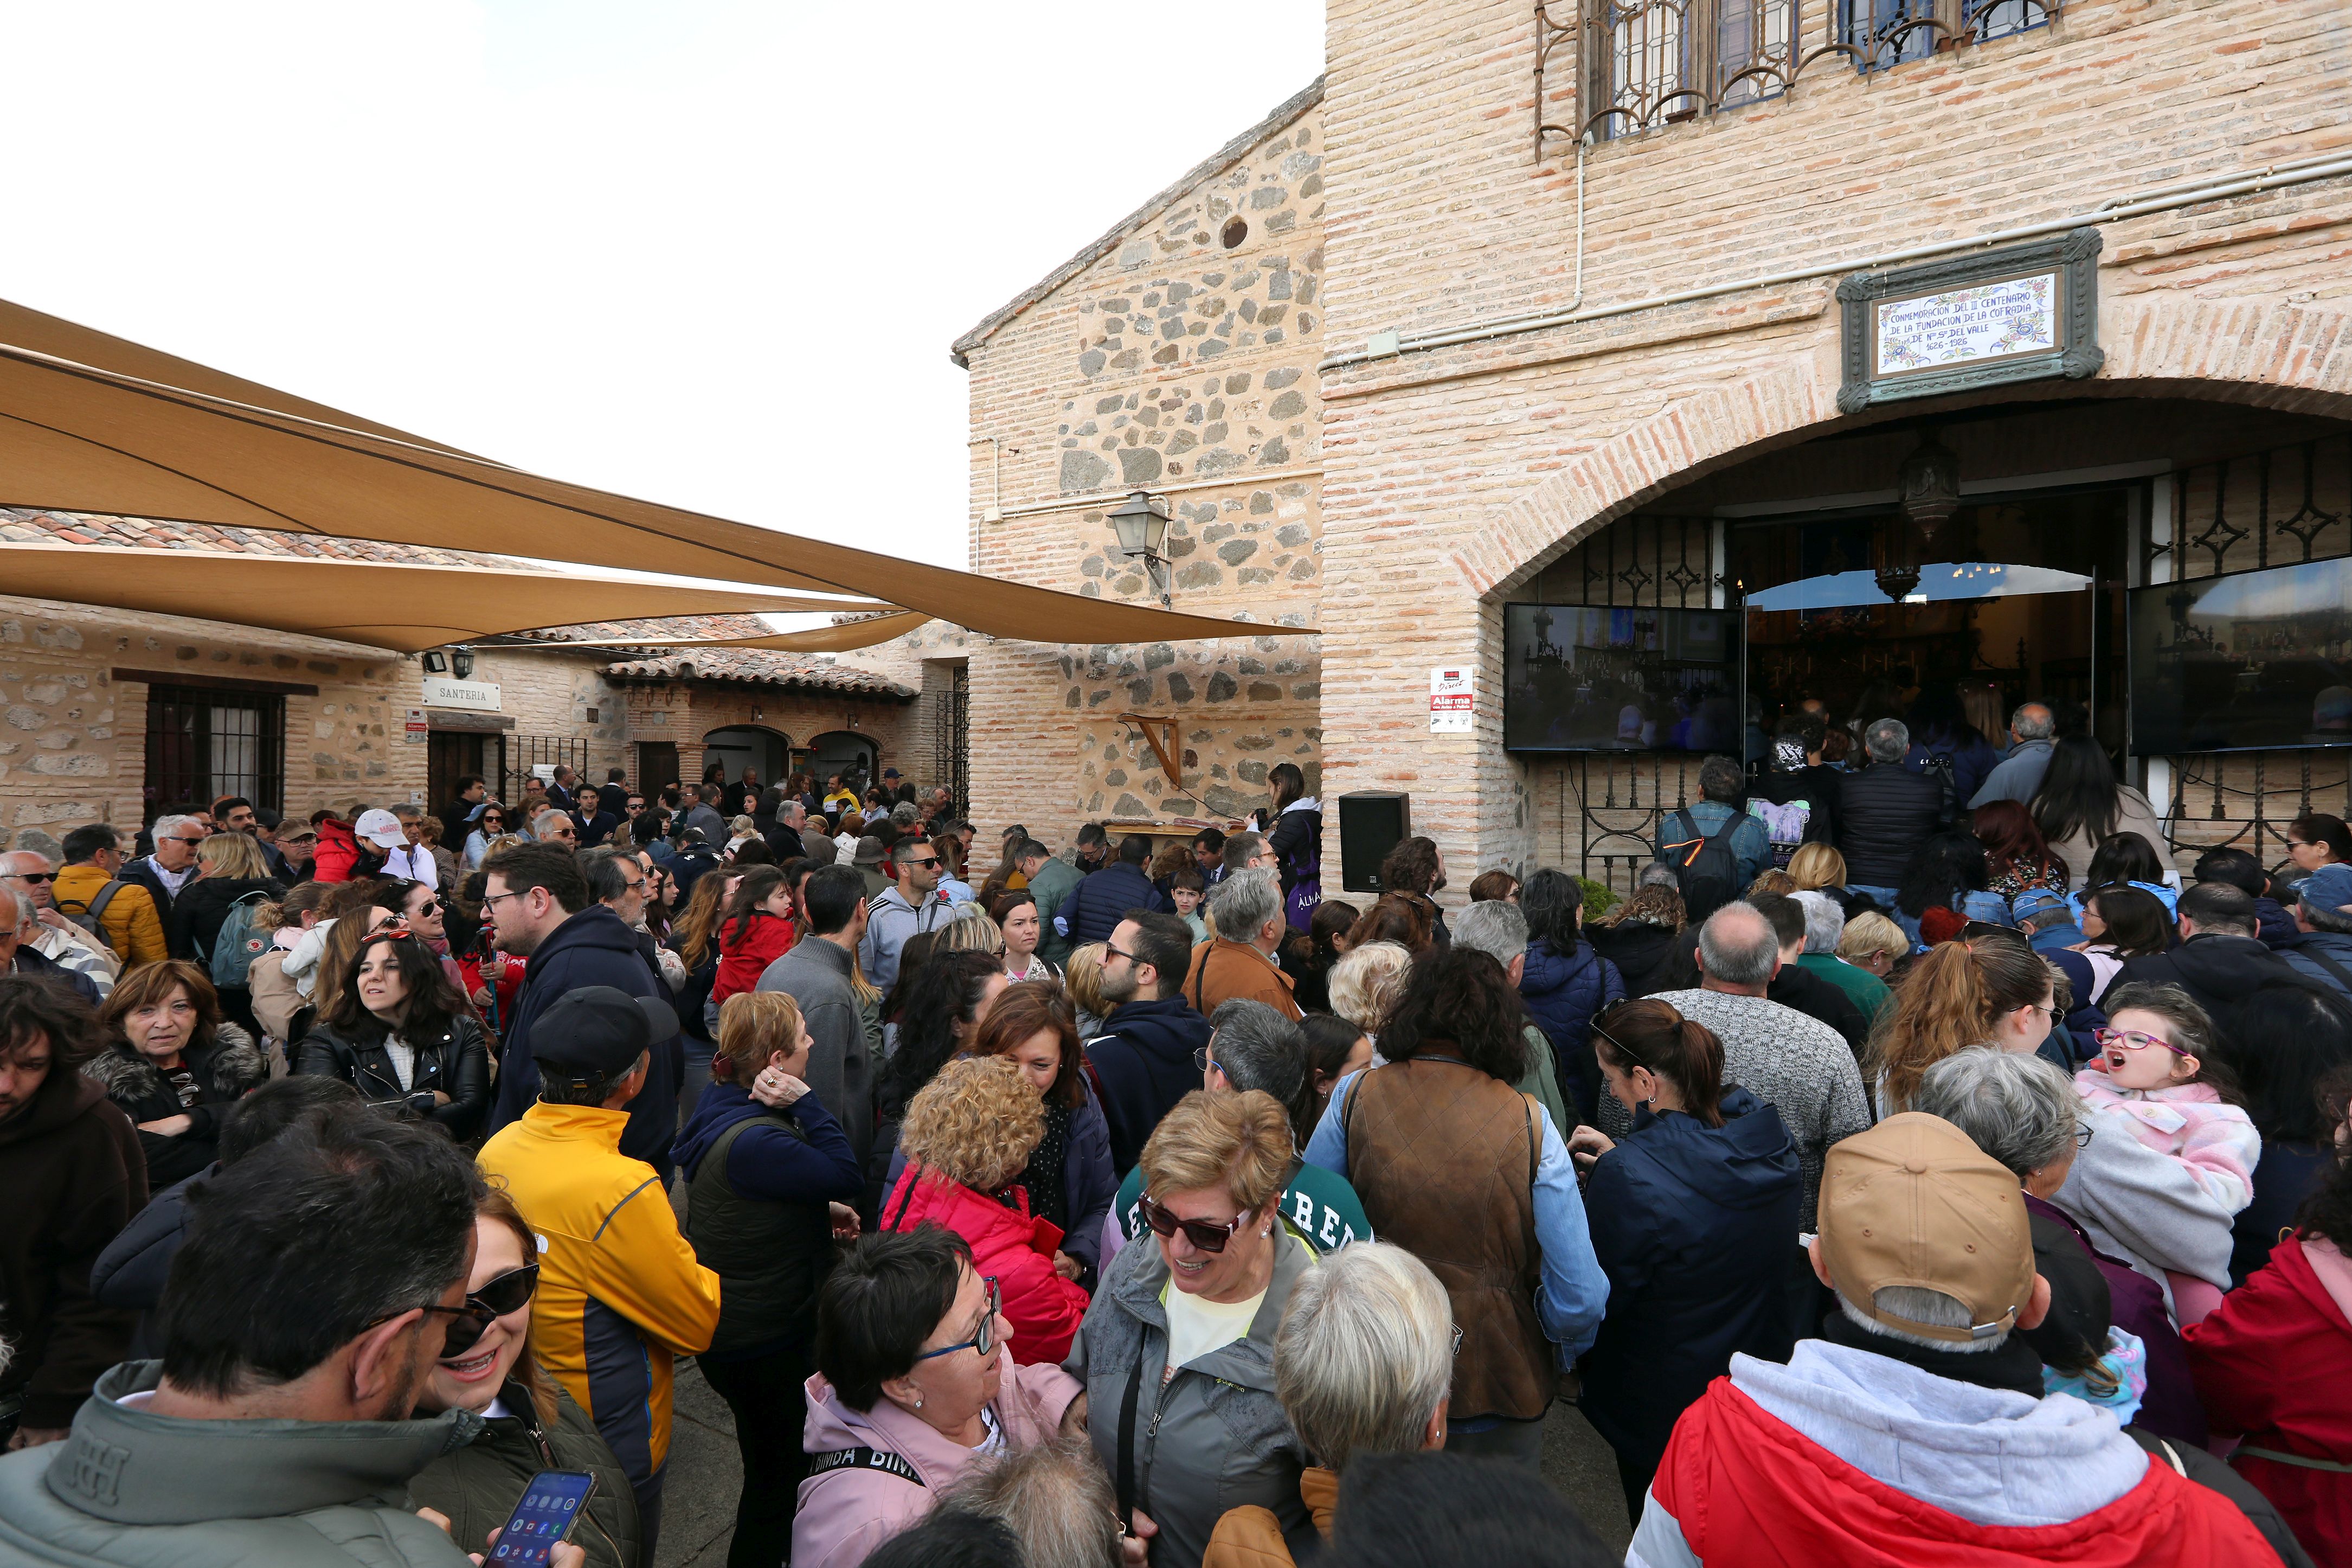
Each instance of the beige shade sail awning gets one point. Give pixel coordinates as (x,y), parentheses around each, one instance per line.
(857,634)
(390,605)
(122,431)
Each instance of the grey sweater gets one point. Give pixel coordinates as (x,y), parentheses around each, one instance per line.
(816,975)
(2144,1207)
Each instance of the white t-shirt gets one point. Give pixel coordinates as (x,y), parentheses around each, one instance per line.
(1197,1326)
(404,1059)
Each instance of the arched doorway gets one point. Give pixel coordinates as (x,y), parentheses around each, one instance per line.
(739,746)
(842,751)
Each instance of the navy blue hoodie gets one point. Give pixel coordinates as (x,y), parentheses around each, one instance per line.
(768,1161)
(1143,1063)
(592,948)
(1694,1226)
(1562,992)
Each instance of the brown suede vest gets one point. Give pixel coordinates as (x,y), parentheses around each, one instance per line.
(1444,1158)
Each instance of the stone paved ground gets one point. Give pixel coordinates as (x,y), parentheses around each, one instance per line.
(698,1510)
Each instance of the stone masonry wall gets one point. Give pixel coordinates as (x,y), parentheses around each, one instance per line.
(1182,361)
(683,712)
(1452,475)
(73,739)
(552,693)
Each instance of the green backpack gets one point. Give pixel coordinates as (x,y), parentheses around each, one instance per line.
(237,944)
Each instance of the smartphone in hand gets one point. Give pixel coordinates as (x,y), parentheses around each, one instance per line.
(550,1505)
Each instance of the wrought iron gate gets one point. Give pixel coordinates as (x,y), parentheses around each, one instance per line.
(951,737)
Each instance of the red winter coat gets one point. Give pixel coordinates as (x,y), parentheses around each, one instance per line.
(744,955)
(1749,1491)
(2274,1363)
(1007,1244)
(339,857)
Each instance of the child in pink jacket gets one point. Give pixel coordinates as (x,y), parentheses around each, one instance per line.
(2156,1066)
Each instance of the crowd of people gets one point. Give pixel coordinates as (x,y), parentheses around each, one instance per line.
(1877,1188)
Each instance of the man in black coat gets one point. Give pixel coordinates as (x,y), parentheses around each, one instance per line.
(2219,962)
(1144,1057)
(536,899)
(1099,902)
(459,818)
(1886,811)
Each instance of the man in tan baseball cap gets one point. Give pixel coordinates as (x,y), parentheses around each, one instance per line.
(1910,1211)
(1917,1429)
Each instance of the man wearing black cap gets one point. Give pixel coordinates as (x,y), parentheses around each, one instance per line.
(620,1292)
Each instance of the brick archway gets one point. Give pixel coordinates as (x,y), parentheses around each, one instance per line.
(2285,357)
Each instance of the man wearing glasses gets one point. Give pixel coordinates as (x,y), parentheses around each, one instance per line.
(56,939)
(912,905)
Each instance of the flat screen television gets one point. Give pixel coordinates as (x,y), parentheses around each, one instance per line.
(2249,661)
(1581,679)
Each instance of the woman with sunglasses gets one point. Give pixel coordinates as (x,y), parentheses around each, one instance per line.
(968,1137)
(487,1366)
(770,1178)
(487,828)
(400,1033)
(916,1385)
(1691,1213)
(1177,1352)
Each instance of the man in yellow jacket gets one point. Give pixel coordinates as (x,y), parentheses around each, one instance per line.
(619,1290)
(127,916)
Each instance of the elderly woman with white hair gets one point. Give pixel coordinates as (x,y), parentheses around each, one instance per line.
(1362,1364)
(2023,1112)
(1824,927)
(1366,983)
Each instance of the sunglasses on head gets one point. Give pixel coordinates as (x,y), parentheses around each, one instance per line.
(1203,1235)
(509,1292)
(1600,1026)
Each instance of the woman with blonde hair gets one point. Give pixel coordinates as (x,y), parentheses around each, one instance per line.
(1986,991)
(694,935)
(1082,977)
(1366,983)
(971,932)
(968,1135)
(770,1175)
(1184,1331)
(236,877)
(1872,941)
(491,1366)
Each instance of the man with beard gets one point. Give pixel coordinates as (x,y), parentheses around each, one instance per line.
(1143,1059)
(536,901)
(276,1427)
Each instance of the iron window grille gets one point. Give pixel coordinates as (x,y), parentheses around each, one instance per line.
(204,744)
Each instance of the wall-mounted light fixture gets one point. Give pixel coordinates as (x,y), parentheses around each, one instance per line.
(461,664)
(1141,524)
(436,663)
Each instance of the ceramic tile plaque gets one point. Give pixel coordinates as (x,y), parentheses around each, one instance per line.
(2025,312)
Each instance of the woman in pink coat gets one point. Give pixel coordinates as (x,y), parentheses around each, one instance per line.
(914,1384)
(967,1138)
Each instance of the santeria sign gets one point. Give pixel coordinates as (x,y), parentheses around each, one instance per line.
(1452,700)
(481,696)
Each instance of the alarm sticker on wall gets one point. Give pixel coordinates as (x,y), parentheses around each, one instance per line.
(1453,692)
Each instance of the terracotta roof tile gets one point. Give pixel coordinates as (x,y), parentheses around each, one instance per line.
(759,667)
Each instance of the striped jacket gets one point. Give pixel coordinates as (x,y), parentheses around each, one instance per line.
(620,1292)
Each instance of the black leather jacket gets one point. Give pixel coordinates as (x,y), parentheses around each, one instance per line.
(456,1062)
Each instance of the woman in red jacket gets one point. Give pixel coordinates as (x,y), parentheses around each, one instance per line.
(2274,1364)
(756,930)
(967,1137)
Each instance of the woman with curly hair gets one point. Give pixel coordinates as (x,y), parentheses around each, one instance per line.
(1365,982)
(967,1137)
(1643,937)
(1460,1169)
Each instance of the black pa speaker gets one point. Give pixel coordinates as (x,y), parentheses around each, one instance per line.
(1371,822)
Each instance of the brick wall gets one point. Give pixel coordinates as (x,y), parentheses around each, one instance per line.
(1177,363)
(73,739)
(1452,476)
(683,712)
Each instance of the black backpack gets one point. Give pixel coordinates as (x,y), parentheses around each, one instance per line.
(1706,870)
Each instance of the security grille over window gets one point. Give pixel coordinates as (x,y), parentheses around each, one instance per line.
(523,752)
(1646,63)
(202,745)
(951,737)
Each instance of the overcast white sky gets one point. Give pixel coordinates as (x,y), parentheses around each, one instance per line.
(708,254)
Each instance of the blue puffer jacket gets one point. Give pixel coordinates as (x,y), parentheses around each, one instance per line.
(1694,1226)
(1562,992)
